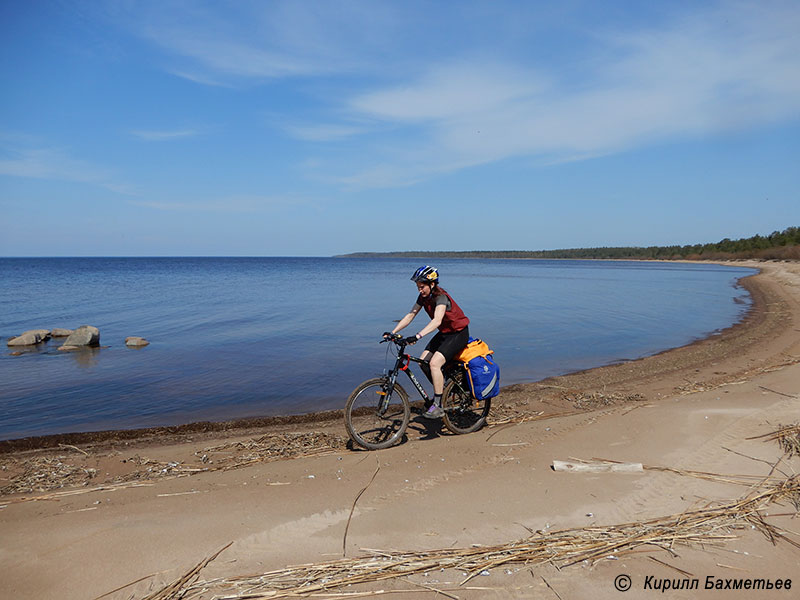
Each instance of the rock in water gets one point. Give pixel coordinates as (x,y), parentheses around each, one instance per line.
(57,332)
(30,338)
(85,335)
(136,342)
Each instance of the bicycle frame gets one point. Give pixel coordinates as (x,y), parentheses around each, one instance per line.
(404,357)
(409,359)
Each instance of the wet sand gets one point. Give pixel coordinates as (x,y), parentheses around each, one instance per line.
(691,408)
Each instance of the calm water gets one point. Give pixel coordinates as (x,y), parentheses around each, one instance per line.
(234,337)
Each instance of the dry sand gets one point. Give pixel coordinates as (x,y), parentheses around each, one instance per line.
(692,408)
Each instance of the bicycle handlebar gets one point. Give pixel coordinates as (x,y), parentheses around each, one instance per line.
(396,338)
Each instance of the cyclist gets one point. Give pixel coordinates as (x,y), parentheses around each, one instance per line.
(452,337)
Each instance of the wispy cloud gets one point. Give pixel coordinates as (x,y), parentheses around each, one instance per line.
(57,164)
(450,91)
(235,58)
(730,69)
(227,204)
(201,78)
(432,90)
(161,136)
(256,40)
(324,132)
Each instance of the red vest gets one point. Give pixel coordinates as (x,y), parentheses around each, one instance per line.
(453,320)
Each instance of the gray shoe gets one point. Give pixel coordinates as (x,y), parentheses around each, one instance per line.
(434,412)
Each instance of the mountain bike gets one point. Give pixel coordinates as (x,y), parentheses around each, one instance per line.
(378,411)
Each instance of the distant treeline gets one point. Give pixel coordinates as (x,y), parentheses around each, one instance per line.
(779,245)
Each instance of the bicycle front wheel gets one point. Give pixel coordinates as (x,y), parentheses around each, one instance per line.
(371,422)
(462,412)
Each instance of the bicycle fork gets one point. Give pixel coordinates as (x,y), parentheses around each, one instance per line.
(383,405)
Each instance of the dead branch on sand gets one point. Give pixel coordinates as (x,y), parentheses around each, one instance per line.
(347,527)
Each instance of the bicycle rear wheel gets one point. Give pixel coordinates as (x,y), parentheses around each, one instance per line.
(367,425)
(462,412)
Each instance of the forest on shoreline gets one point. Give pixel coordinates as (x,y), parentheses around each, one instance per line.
(779,245)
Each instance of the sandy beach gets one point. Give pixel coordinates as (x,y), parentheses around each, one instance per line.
(115,516)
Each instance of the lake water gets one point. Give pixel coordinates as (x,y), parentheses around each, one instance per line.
(236,337)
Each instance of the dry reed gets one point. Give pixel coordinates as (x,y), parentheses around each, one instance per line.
(271,447)
(45,474)
(507,415)
(708,526)
(787,436)
(743,480)
(694,387)
(595,400)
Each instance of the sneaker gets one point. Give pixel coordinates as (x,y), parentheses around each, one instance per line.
(434,412)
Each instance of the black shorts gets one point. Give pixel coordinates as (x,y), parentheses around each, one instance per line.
(449,344)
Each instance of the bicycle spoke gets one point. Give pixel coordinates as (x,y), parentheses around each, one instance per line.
(463,413)
(370,426)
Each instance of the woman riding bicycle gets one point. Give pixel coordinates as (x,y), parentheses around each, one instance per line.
(448,318)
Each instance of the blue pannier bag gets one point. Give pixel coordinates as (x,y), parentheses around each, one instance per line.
(482,372)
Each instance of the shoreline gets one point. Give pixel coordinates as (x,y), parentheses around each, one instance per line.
(291,494)
(609,374)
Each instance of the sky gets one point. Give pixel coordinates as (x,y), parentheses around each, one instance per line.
(317,128)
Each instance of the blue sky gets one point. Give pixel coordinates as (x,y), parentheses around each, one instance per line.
(303,128)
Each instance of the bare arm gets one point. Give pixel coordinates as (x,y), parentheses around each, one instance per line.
(405,321)
(438,315)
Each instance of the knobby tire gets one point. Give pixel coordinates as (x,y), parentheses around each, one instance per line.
(365,426)
(462,412)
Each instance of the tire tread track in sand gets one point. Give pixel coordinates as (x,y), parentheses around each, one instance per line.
(494,456)
(708,456)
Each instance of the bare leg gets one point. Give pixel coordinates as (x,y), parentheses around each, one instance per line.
(437,377)
(434,363)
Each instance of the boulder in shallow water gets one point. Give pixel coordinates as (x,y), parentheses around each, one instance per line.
(57,332)
(30,338)
(83,336)
(26,339)
(136,342)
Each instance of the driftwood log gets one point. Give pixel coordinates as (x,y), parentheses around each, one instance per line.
(596,467)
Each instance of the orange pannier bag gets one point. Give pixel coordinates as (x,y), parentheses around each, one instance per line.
(474,348)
